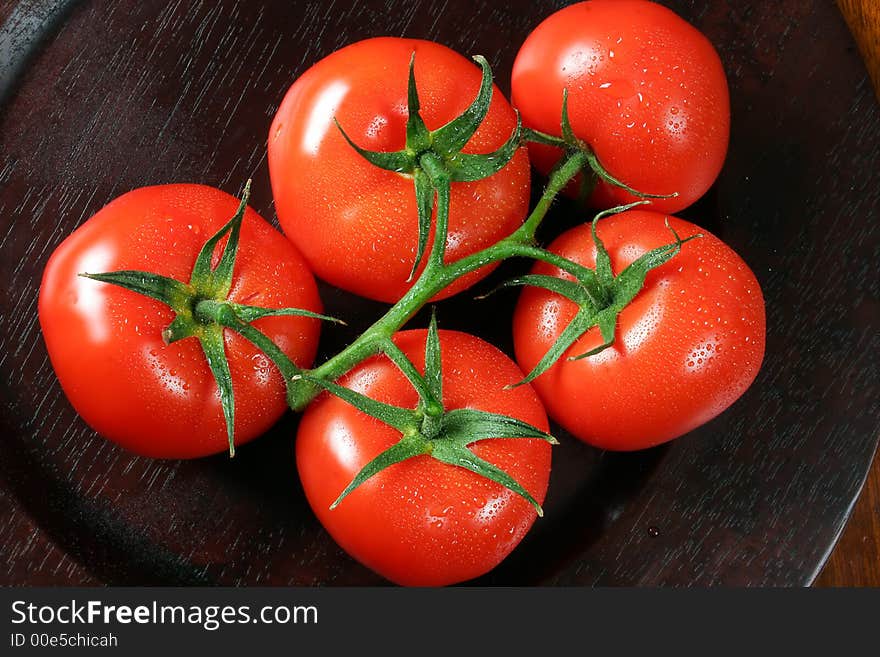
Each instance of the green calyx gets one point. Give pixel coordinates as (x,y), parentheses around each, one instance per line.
(434,158)
(592,170)
(203,311)
(600,295)
(431,430)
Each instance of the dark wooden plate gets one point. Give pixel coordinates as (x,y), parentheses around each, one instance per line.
(102,97)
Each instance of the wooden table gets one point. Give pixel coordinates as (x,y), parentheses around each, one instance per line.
(856,559)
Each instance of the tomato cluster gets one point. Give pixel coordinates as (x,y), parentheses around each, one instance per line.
(180,323)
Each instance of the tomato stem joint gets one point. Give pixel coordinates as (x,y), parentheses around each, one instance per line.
(592,169)
(434,158)
(429,429)
(202,310)
(600,295)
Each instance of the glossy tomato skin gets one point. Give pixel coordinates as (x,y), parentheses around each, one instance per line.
(647,92)
(686,348)
(105,342)
(357,224)
(421,522)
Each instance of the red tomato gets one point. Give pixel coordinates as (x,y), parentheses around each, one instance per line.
(357,224)
(686,348)
(646,91)
(422,522)
(105,342)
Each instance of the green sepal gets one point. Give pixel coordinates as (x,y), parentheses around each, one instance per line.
(433,362)
(398,161)
(467,167)
(171,292)
(538,137)
(434,159)
(418,138)
(425,205)
(182,326)
(399,418)
(252,313)
(588,177)
(629,282)
(568,135)
(618,291)
(469,425)
(407,447)
(405,365)
(453,454)
(607,321)
(600,171)
(224,314)
(449,139)
(604,273)
(202,310)
(215,352)
(428,429)
(593,170)
(562,286)
(579,325)
(216,282)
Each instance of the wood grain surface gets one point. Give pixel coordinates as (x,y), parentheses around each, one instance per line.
(856,559)
(123,94)
(863,18)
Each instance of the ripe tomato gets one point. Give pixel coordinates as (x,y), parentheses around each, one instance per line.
(420,521)
(687,346)
(105,342)
(646,91)
(357,224)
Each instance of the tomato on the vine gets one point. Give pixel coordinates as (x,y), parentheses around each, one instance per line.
(686,347)
(646,91)
(420,521)
(357,224)
(106,343)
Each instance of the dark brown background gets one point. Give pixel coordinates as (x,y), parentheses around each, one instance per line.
(856,559)
(131,93)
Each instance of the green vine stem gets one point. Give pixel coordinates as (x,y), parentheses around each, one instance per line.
(435,161)
(438,275)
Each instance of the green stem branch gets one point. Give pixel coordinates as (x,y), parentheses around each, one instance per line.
(568,169)
(437,276)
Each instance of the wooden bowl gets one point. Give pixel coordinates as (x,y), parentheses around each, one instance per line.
(99,98)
